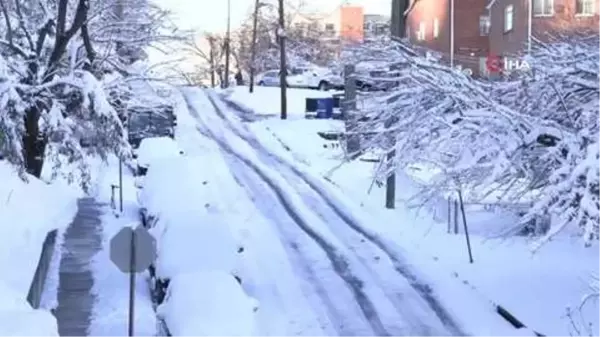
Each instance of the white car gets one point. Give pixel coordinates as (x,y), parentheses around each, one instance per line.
(311,77)
(155,148)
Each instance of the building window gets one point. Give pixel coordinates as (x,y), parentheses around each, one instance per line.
(543,7)
(484,25)
(509,12)
(584,7)
(436,28)
(421,31)
(329,29)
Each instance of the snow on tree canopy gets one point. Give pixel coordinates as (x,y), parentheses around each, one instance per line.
(532,139)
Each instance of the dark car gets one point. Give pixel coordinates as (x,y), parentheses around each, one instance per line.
(156,122)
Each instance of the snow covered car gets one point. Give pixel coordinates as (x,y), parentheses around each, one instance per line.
(311,77)
(208,303)
(191,235)
(153,149)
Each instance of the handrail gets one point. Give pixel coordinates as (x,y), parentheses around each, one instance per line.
(36,289)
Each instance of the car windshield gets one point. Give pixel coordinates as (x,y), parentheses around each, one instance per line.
(149,122)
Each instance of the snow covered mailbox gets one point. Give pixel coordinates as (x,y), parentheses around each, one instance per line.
(193,241)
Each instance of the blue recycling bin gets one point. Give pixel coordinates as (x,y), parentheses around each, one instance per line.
(325,107)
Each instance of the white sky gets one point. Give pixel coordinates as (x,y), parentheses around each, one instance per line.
(211,15)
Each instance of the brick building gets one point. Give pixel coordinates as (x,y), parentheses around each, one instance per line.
(484,27)
(509,21)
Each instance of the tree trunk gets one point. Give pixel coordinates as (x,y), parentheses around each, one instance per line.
(34,144)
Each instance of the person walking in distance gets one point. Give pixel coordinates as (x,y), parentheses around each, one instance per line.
(239,79)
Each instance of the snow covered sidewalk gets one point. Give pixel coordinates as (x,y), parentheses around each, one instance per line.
(110,313)
(82,240)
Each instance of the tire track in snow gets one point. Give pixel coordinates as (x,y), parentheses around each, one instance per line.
(424,290)
(338,262)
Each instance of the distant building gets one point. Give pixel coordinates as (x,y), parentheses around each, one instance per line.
(484,27)
(343,23)
(376,25)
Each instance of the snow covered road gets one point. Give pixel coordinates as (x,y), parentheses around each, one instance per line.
(358,284)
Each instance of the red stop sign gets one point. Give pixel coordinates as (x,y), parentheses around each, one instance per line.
(493,63)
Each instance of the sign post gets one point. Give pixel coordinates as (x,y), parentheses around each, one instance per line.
(132,251)
(120,184)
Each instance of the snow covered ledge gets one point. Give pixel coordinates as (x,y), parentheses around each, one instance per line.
(28,211)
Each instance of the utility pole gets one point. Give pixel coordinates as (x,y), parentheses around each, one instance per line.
(211,60)
(529,23)
(282,65)
(253,55)
(452,33)
(227,38)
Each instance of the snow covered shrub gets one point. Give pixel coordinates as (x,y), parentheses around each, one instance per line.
(530,140)
(560,99)
(440,117)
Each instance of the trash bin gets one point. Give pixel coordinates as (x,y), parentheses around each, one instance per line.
(324,107)
(311,105)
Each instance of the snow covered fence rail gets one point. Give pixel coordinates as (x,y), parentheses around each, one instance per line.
(36,288)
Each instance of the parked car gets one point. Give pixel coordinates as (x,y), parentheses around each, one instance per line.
(208,303)
(310,77)
(155,148)
(143,122)
(268,78)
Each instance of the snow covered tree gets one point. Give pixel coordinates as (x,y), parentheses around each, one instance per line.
(534,135)
(561,98)
(304,42)
(207,51)
(429,117)
(52,108)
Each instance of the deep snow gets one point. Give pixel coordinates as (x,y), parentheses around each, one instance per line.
(505,271)
(224,130)
(28,211)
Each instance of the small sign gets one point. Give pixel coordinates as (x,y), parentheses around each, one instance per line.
(144,249)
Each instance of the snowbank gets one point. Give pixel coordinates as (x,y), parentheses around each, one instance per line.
(28,211)
(267,101)
(536,288)
(218,304)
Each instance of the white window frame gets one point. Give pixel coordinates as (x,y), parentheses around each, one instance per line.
(484,25)
(436,28)
(421,31)
(544,5)
(592,8)
(509,12)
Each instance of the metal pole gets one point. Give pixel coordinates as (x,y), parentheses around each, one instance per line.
(464,217)
(452,33)
(253,55)
(390,188)
(121,184)
(227,38)
(282,63)
(529,23)
(348,111)
(132,284)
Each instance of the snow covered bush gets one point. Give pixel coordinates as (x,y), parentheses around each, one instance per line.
(533,136)
(437,116)
(560,98)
